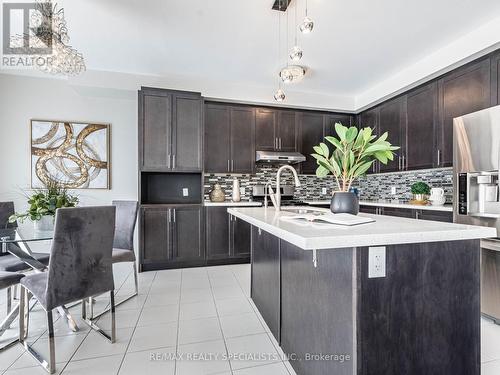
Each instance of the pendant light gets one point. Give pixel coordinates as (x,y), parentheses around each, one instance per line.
(296,52)
(279,95)
(307,24)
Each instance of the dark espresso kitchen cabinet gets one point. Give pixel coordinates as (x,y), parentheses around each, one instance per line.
(462,91)
(171,236)
(311,134)
(170,130)
(331,119)
(392,117)
(371,118)
(266,278)
(227,237)
(275,130)
(229,135)
(422,116)
(495,79)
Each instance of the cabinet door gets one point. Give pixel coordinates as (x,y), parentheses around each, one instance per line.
(332,119)
(399,212)
(242,135)
(370,119)
(217,138)
(422,112)
(155,132)
(444,216)
(217,232)
(265,130)
(392,120)
(368,209)
(311,134)
(187,234)
(287,133)
(187,133)
(266,278)
(463,91)
(155,237)
(495,79)
(241,233)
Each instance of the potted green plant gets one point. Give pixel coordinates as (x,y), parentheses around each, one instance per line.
(43,204)
(420,191)
(354,152)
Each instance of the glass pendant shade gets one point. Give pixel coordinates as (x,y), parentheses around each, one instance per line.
(279,95)
(306,26)
(286,75)
(296,53)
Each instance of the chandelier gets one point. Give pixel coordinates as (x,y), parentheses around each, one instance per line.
(52,30)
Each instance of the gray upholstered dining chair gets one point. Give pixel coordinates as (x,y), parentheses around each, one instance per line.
(8,262)
(80,267)
(123,243)
(8,280)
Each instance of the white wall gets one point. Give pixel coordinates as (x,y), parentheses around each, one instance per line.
(23,98)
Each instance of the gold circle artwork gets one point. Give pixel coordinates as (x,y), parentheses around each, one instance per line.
(74,155)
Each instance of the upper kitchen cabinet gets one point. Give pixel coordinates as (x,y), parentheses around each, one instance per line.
(170,130)
(187,133)
(495,79)
(311,134)
(371,118)
(287,131)
(392,117)
(463,91)
(229,135)
(275,130)
(332,119)
(217,138)
(422,115)
(242,139)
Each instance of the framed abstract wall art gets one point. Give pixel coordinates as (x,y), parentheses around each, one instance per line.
(75,155)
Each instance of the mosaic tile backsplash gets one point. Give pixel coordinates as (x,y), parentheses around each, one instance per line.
(371,187)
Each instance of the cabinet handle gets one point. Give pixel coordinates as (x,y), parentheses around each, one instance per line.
(174,215)
(403,166)
(169,218)
(280,143)
(439,157)
(173,161)
(228,169)
(168,162)
(399,162)
(232,165)
(276,143)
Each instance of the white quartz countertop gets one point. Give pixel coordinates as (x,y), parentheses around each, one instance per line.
(386,230)
(232,204)
(446,207)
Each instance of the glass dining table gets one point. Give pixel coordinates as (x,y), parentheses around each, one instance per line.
(16,241)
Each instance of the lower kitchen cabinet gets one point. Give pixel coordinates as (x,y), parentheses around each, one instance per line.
(227,237)
(433,215)
(171,237)
(266,278)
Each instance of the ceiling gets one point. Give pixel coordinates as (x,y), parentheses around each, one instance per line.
(355,45)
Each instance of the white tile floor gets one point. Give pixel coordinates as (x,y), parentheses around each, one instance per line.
(179,312)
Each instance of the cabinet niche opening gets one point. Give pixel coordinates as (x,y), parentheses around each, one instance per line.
(168,188)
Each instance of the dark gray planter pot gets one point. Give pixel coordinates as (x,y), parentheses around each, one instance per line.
(344,202)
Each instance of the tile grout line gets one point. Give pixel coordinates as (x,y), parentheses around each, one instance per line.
(135,327)
(178,324)
(220,323)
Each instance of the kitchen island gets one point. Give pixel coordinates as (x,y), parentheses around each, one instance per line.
(331,315)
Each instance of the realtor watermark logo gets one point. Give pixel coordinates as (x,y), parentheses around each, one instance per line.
(27,36)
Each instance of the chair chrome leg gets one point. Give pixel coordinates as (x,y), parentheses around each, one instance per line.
(124,300)
(64,312)
(52,345)
(9,299)
(95,327)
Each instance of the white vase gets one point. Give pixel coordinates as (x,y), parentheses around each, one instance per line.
(236,191)
(46,223)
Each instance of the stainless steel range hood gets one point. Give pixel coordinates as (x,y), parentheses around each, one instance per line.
(280,157)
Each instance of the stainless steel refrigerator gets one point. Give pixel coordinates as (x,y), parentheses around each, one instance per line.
(476,163)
